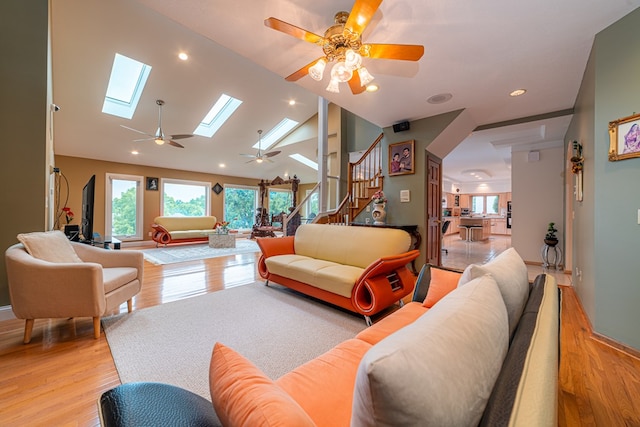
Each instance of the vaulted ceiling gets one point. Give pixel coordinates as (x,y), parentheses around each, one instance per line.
(476,51)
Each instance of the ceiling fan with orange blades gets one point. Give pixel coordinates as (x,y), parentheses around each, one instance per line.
(260,156)
(159,137)
(342,44)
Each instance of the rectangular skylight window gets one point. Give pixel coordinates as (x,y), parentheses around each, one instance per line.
(305,161)
(219,113)
(126,83)
(280,130)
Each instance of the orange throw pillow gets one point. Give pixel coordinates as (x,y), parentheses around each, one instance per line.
(244,396)
(442,282)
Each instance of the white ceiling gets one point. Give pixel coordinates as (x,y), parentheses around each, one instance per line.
(477,51)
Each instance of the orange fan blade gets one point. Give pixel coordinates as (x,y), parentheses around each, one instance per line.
(301,72)
(294,31)
(355,85)
(406,52)
(360,15)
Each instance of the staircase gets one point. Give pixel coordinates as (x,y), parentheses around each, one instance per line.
(364,179)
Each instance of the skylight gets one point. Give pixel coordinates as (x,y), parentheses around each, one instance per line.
(126,83)
(305,161)
(280,130)
(219,113)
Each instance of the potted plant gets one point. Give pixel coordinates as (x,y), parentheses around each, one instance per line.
(550,238)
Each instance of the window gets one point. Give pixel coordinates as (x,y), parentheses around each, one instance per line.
(312,206)
(280,201)
(126,83)
(485,205)
(219,113)
(185,198)
(240,204)
(275,134)
(124,212)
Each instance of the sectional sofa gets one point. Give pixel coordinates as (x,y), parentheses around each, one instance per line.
(472,348)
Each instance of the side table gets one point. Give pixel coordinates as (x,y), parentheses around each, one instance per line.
(551,256)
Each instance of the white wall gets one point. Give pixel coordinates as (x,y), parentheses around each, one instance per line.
(537,199)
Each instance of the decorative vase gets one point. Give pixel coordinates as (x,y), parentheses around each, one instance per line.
(378,213)
(551,242)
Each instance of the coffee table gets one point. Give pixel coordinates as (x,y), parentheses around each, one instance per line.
(219,241)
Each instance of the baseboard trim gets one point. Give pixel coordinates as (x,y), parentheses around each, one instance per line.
(6,313)
(609,342)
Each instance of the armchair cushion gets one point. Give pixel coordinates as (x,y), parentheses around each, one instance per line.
(115,277)
(52,246)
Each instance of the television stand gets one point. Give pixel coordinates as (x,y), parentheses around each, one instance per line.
(107,242)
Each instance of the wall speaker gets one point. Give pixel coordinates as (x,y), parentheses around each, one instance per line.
(402,126)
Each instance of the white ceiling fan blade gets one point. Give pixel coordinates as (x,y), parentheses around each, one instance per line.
(248,155)
(139,131)
(144,139)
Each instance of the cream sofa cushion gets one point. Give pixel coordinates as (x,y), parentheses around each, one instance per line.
(356,246)
(329,276)
(510,273)
(440,369)
(52,246)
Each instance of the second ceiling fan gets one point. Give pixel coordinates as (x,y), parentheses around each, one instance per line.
(342,44)
(261,156)
(159,137)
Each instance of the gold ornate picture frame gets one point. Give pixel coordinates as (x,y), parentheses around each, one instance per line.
(402,158)
(624,138)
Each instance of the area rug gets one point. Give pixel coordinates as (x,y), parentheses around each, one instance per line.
(173,254)
(274,327)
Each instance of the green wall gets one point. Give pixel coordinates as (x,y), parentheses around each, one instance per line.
(23,112)
(606,229)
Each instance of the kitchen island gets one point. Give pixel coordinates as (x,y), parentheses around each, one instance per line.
(474,229)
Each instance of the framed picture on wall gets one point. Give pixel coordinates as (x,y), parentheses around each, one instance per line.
(402,158)
(624,138)
(152,183)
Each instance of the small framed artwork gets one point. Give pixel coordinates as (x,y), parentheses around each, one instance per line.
(402,158)
(152,184)
(624,138)
(217,188)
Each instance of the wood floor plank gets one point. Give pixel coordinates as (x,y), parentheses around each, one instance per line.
(56,379)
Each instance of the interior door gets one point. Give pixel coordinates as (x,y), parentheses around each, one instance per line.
(434,209)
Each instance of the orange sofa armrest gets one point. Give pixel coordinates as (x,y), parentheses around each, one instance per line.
(271,246)
(160,234)
(373,290)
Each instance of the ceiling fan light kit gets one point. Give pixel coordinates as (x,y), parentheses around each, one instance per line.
(343,45)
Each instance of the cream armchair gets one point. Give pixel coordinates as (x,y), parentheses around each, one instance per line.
(93,285)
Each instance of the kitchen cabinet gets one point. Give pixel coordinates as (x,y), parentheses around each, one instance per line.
(465,201)
(498,226)
(475,229)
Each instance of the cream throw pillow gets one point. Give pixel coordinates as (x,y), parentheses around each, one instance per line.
(439,370)
(510,273)
(52,246)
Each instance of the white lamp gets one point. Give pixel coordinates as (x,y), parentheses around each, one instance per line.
(316,71)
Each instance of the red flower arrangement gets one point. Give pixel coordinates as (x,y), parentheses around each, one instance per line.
(68,214)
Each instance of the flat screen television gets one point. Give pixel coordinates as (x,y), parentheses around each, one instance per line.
(87,210)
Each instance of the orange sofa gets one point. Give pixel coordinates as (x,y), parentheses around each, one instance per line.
(480,349)
(361,269)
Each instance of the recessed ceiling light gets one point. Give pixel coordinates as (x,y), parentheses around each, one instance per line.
(518,92)
(222,165)
(183,56)
(135,152)
(372,87)
(292,102)
(440,98)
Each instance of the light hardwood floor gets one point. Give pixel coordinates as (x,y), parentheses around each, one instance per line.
(57,379)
